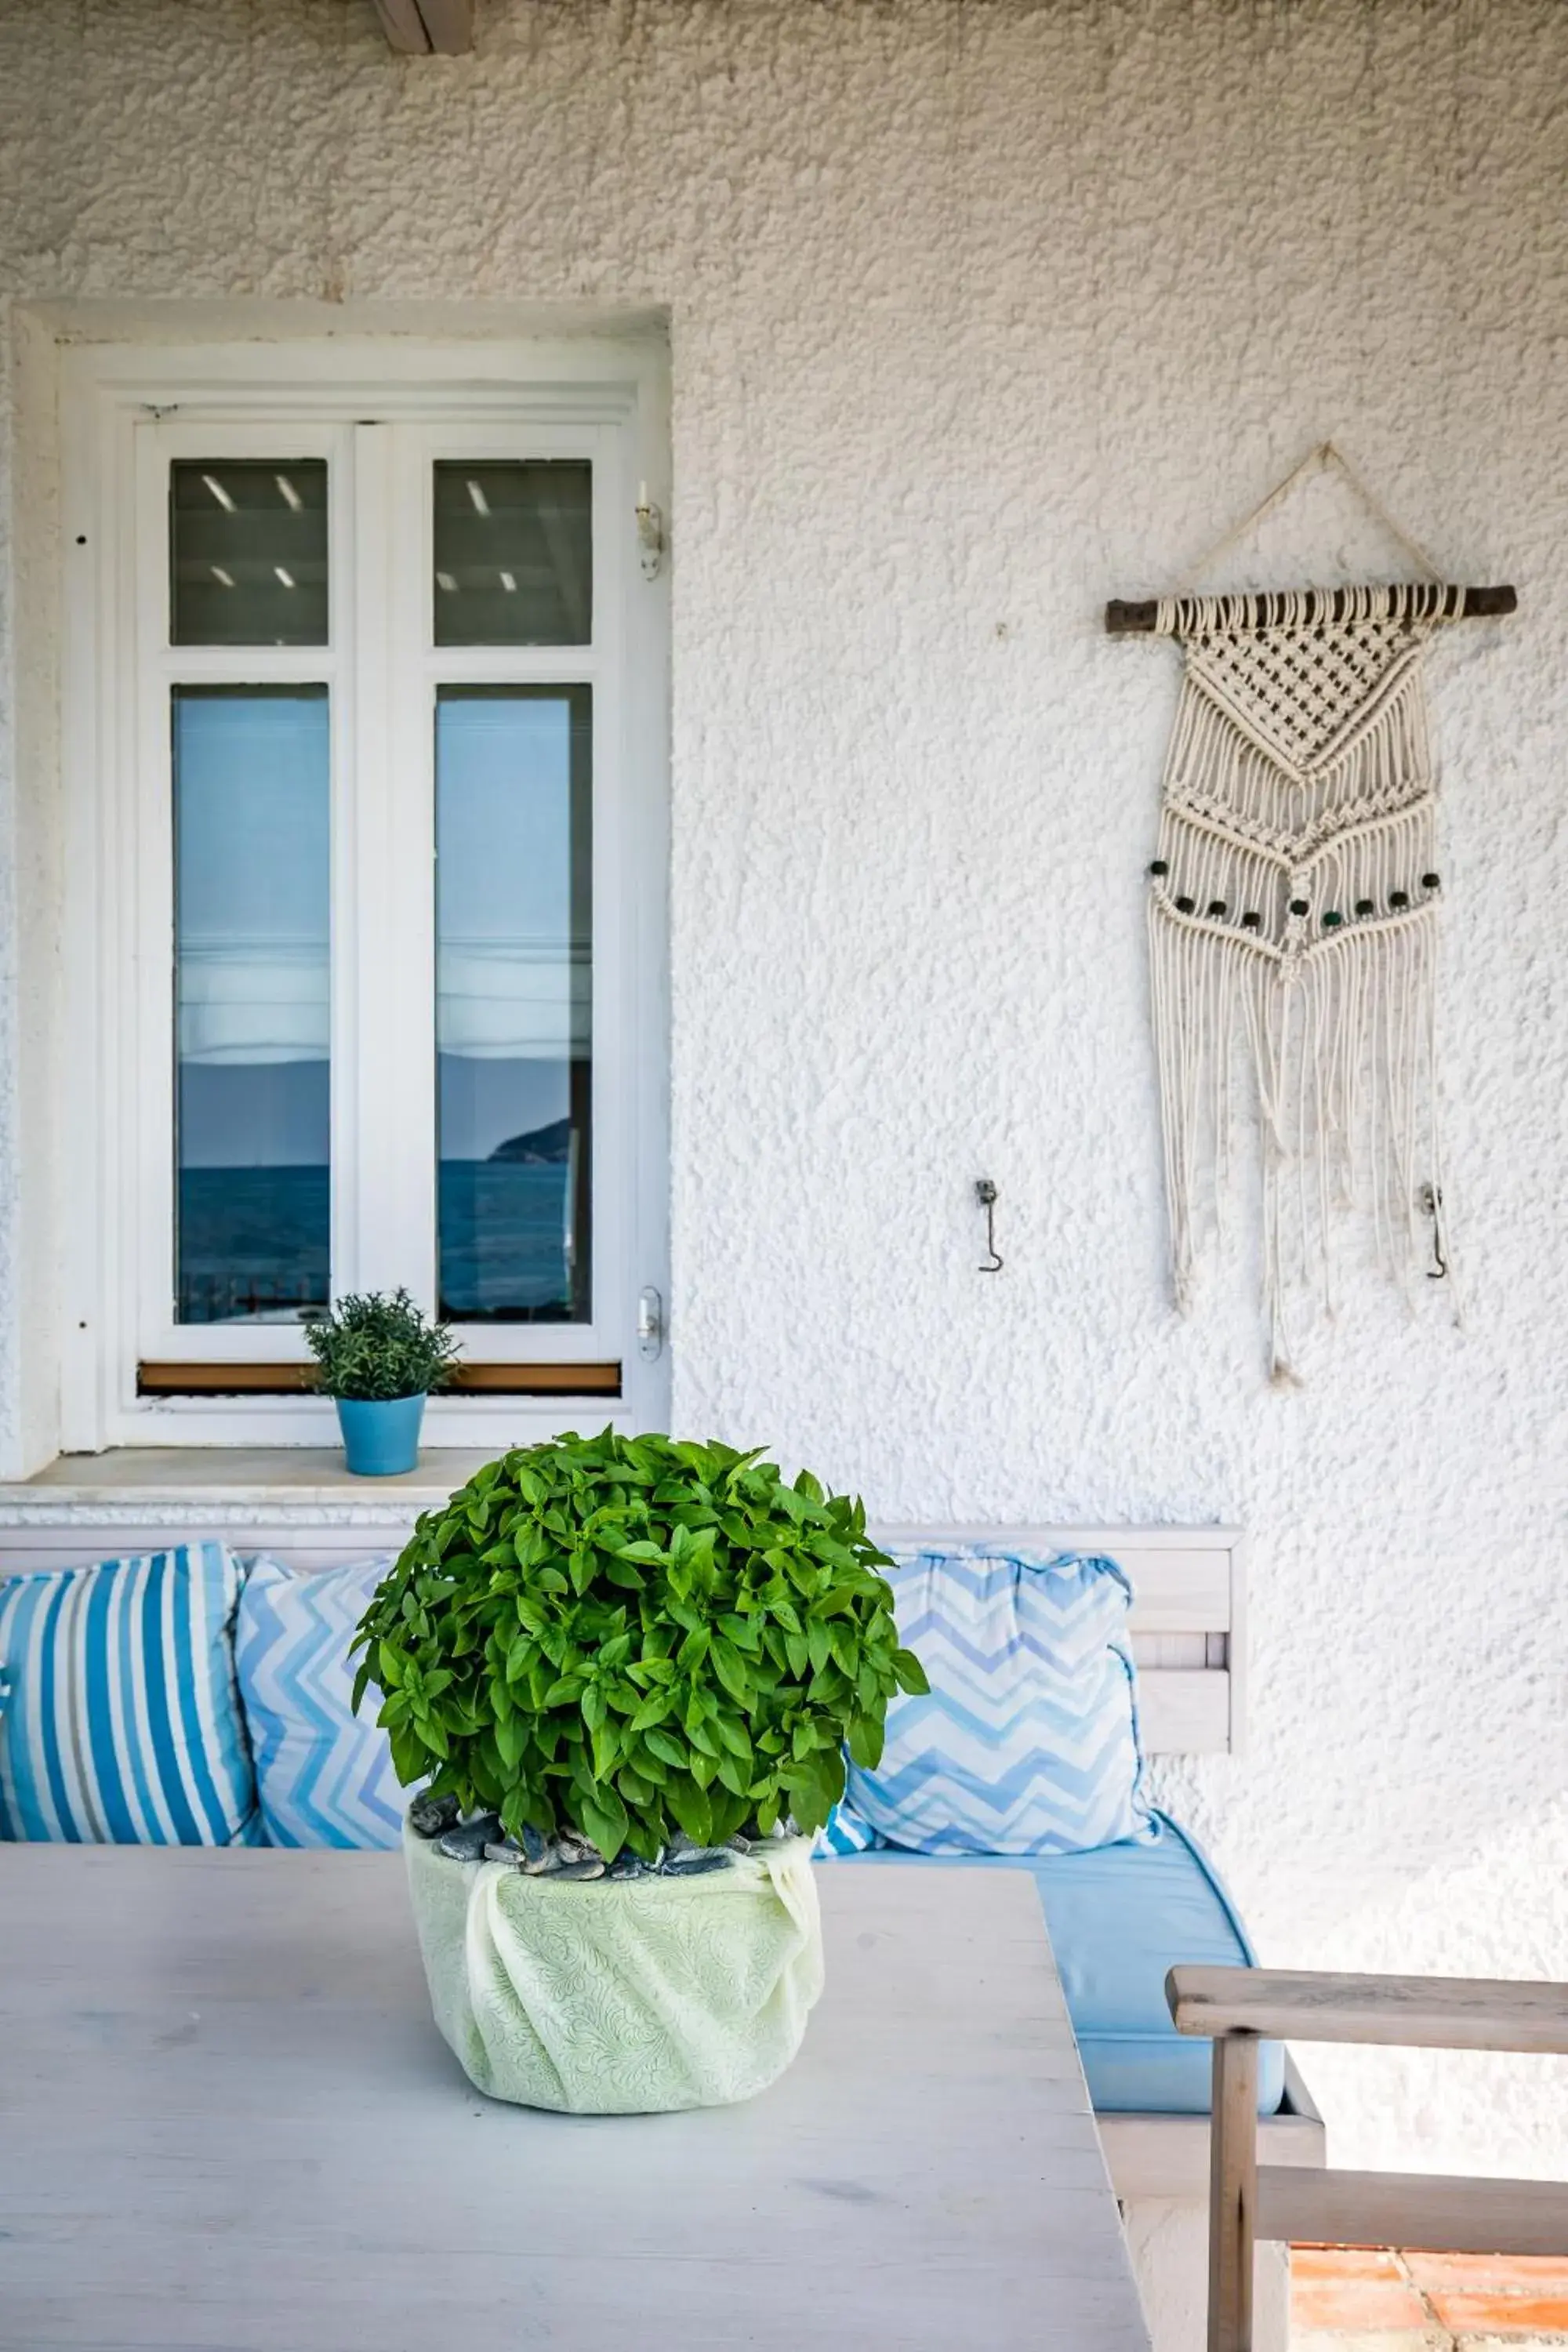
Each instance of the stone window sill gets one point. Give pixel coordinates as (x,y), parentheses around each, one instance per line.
(218,1486)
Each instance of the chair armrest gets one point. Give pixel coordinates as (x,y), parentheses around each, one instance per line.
(1413,2012)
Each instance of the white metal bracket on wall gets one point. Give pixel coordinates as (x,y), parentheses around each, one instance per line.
(421,29)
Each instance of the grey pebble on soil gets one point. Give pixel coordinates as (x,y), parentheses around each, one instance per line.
(466,1841)
(480,1837)
(431,1815)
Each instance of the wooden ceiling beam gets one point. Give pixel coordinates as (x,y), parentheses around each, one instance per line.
(422,29)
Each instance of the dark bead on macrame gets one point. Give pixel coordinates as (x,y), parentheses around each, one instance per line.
(1298,907)
(1431,881)
(1399,897)
(1158,865)
(1332,920)
(1251,921)
(1366,906)
(1216,905)
(1183,906)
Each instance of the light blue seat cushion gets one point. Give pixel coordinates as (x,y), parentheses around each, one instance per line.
(1027,1740)
(1118,1918)
(324,1774)
(122,1723)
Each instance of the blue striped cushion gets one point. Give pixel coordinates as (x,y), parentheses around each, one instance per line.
(325,1774)
(844,1832)
(1027,1742)
(123,1725)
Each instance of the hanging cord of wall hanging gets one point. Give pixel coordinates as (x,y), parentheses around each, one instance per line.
(1175,614)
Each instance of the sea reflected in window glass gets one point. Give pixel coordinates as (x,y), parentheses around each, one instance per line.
(247,544)
(252,992)
(514,553)
(514,1001)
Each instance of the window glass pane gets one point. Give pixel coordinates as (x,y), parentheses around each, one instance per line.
(514,553)
(514,1001)
(248,549)
(252,1002)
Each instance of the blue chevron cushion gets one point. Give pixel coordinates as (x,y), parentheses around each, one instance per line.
(122,1724)
(325,1774)
(1027,1741)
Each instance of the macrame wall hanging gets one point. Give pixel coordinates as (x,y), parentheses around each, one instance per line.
(1292,919)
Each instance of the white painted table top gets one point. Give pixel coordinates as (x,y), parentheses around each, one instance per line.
(227,2124)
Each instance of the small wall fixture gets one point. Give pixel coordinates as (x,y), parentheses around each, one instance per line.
(651,533)
(986,1193)
(1429,1201)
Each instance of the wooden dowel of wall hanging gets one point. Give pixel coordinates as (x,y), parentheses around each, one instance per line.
(1127,620)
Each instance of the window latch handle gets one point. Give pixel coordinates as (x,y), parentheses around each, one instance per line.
(650,535)
(651,1324)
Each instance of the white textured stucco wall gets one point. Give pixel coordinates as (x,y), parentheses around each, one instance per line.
(981,313)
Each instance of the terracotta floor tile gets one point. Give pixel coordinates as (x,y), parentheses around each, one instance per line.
(1491,2273)
(1380,2340)
(1363,2289)
(1362,2303)
(1344,2262)
(1502,2314)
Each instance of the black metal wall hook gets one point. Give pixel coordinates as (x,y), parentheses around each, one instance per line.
(1429,1201)
(986,1193)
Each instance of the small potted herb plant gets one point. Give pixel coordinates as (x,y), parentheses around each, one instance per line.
(627,1670)
(379,1358)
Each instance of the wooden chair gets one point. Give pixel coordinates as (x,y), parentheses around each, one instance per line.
(1236,2007)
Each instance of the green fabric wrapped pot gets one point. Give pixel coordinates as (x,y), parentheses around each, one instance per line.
(616,1997)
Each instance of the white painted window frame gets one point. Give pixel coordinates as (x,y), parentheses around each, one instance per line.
(379,410)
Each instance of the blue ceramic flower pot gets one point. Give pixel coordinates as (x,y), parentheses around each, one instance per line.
(380,1438)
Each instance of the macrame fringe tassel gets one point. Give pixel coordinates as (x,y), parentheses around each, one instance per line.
(1338,1056)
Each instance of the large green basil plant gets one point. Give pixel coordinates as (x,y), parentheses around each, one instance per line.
(626,1637)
